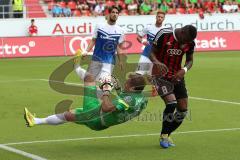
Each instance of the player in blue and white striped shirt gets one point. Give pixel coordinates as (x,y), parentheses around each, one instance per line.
(107,39)
(144,64)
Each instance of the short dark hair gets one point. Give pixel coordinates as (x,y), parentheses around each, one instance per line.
(113,7)
(191,30)
(32,20)
(137,82)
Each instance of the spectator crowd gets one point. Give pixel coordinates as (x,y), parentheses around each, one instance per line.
(67,8)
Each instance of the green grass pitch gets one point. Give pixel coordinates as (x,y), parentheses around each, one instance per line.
(213,76)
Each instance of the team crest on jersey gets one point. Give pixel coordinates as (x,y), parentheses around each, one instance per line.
(107,37)
(183,46)
(169,43)
(174,52)
(128,99)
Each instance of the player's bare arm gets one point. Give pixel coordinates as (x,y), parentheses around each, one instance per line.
(139,38)
(188,65)
(90,46)
(152,55)
(119,51)
(189,61)
(153,58)
(142,40)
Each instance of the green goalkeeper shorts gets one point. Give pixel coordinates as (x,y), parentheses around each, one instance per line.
(90,113)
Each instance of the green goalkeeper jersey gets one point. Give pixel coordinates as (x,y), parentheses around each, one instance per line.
(128,106)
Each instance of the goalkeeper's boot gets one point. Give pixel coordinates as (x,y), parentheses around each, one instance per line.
(29,117)
(77,58)
(170,142)
(164,143)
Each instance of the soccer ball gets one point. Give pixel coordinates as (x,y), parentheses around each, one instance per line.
(105,83)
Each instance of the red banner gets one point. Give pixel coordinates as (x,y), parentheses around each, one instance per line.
(217,41)
(61,46)
(32,47)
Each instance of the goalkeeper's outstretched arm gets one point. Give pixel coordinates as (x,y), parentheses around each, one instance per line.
(107,105)
(116,85)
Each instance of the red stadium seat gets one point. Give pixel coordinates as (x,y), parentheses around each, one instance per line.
(47,1)
(72,5)
(77,13)
(50,5)
(106,12)
(124,12)
(62,4)
(192,11)
(181,10)
(109,3)
(34,9)
(172,11)
(200,10)
(86,13)
(122,4)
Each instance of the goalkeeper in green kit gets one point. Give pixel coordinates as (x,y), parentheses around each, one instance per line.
(96,114)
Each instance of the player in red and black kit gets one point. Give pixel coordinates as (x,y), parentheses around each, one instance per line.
(33,30)
(169,46)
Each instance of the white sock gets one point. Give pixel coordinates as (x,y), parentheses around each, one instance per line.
(52,120)
(80,71)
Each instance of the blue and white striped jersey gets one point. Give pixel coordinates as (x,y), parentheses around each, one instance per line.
(150,31)
(107,38)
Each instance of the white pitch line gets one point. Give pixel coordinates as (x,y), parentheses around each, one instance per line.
(71,83)
(214,100)
(195,98)
(208,130)
(45,80)
(120,136)
(20,80)
(20,152)
(80,84)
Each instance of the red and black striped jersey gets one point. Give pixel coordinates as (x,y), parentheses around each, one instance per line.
(169,51)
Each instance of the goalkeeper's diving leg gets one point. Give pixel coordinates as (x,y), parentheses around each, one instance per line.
(67,116)
(100,71)
(78,69)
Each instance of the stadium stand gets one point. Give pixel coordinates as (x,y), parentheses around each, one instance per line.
(4,8)
(34,9)
(66,8)
(146,7)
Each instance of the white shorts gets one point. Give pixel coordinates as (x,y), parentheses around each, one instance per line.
(145,66)
(100,70)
